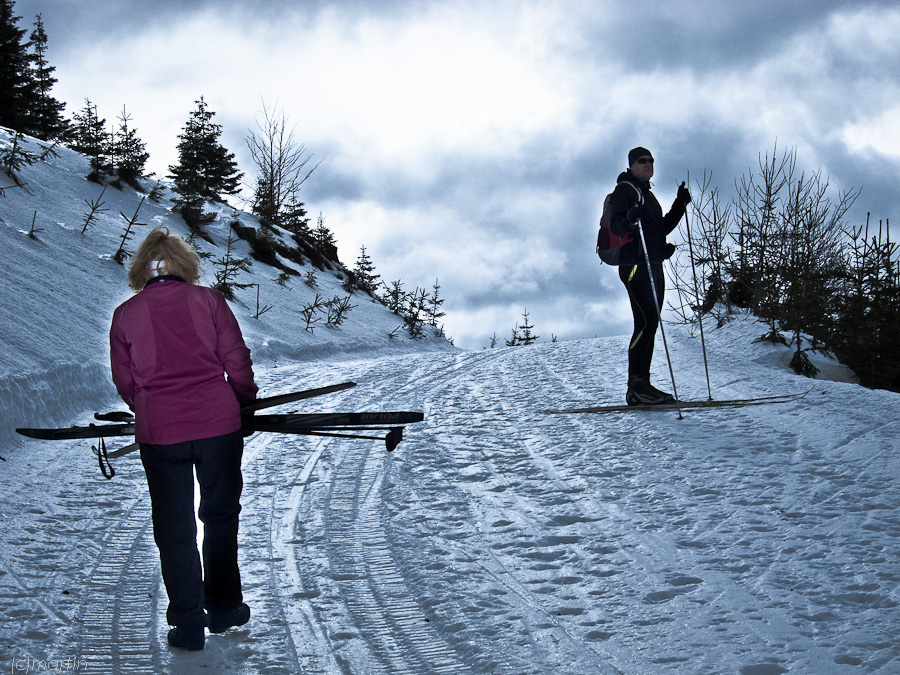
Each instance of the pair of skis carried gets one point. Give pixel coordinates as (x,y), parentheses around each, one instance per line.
(360,425)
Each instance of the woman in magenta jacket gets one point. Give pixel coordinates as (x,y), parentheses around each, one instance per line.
(180,363)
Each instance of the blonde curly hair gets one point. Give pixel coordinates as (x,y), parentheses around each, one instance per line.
(166,254)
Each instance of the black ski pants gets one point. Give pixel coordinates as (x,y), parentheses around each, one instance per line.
(170,471)
(646,313)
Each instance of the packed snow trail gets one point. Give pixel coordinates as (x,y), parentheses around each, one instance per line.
(498,539)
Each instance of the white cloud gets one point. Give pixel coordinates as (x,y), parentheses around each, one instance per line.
(418,245)
(879,133)
(405,95)
(866,36)
(388,90)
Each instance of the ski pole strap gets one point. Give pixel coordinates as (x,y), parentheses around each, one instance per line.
(105,467)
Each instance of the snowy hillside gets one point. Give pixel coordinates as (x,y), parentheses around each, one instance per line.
(58,290)
(497,539)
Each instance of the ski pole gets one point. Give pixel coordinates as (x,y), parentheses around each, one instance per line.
(656,301)
(687,226)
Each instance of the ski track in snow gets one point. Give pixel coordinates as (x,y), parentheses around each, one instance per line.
(496,538)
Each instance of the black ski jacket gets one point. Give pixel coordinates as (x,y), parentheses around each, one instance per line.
(656,225)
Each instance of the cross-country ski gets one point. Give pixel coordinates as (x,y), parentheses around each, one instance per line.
(293,397)
(685,405)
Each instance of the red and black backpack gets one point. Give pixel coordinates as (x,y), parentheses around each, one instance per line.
(609,244)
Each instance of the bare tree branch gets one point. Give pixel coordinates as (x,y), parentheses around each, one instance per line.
(282,165)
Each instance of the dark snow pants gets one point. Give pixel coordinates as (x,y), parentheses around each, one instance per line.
(646,313)
(170,477)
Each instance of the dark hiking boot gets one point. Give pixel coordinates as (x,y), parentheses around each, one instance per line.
(191,639)
(219,622)
(641,392)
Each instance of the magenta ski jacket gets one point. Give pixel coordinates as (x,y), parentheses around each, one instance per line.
(180,363)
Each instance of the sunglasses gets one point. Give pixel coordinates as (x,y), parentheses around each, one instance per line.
(645,160)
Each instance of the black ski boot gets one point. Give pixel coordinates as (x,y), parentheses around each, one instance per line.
(641,392)
(191,639)
(219,622)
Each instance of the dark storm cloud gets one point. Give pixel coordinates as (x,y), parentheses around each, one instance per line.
(72,22)
(707,34)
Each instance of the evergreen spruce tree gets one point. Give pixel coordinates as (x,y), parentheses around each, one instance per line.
(324,239)
(527,337)
(434,305)
(294,218)
(867,329)
(46,119)
(264,206)
(129,152)
(412,316)
(14,158)
(91,138)
(394,297)
(322,235)
(364,273)
(229,266)
(205,171)
(17,88)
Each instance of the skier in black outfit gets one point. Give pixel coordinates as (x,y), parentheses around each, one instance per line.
(625,209)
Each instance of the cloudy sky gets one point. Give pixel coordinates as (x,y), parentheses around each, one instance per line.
(473,141)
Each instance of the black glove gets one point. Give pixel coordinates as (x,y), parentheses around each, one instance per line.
(669,251)
(632,217)
(684,196)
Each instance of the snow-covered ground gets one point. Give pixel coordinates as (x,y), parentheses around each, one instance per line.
(496,539)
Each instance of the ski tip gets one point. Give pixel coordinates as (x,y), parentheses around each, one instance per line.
(121,452)
(392,440)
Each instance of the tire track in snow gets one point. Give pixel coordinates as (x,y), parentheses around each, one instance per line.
(291,574)
(386,614)
(394,634)
(341,522)
(269,466)
(51,613)
(117,615)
